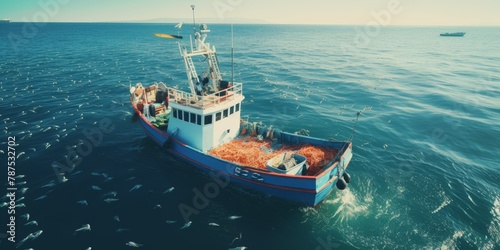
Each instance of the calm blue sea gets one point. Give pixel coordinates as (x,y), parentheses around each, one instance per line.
(425,173)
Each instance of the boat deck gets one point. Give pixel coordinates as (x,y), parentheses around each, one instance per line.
(252,152)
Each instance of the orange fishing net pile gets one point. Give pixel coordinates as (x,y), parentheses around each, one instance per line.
(247,152)
(317,157)
(251,152)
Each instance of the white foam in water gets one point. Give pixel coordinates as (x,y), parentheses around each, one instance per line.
(494,227)
(348,205)
(451,243)
(445,203)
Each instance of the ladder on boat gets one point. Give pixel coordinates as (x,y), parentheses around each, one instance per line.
(214,64)
(191,70)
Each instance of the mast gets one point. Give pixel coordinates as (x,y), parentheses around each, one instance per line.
(232,56)
(200,48)
(194,20)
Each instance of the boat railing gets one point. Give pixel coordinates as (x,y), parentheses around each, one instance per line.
(207,100)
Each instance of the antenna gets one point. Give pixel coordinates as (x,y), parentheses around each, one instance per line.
(194,22)
(232,56)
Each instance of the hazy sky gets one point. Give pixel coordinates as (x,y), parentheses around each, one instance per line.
(404,12)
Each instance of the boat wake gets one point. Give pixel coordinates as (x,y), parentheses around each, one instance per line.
(494,227)
(344,206)
(349,205)
(451,243)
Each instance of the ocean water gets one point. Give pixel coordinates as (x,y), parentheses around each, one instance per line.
(424,173)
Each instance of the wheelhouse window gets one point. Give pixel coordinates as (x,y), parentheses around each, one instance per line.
(179,114)
(208,119)
(193,118)
(231,110)
(218,116)
(225,113)
(237,107)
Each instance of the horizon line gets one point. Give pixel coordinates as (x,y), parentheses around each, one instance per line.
(268,23)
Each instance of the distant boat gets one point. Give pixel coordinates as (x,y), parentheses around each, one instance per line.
(5,20)
(453,34)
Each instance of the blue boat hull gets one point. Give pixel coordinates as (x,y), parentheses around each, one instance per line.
(309,190)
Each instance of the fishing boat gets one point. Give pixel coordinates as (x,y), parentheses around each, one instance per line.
(453,34)
(202,126)
(5,20)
